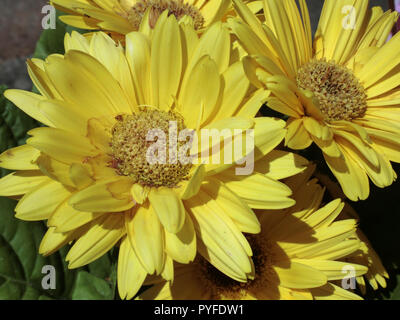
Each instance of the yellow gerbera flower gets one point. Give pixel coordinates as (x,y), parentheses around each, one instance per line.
(87,173)
(341,91)
(296,256)
(123,16)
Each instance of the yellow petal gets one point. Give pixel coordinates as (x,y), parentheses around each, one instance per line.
(352,178)
(233,206)
(40,204)
(268,133)
(333,269)
(196,105)
(181,246)
(20,158)
(102,235)
(66,218)
(332,292)
(139,193)
(280,164)
(214,43)
(138,57)
(258,191)
(80,176)
(300,276)
(66,116)
(130,274)
(101,197)
(168,207)
(218,236)
(62,145)
(29,103)
(234,81)
(191,188)
(147,239)
(297,137)
(55,170)
(166,62)
(18,183)
(52,241)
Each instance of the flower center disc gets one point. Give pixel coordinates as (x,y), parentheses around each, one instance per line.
(176,7)
(338,91)
(131,143)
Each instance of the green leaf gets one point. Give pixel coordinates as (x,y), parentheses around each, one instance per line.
(52,40)
(90,287)
(101,268)
(20,263)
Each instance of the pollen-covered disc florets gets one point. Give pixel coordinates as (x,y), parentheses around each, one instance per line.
(223,286)
(130,145)
(338,91)
(176,7)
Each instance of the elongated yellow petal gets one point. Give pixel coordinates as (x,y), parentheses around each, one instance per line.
(214,43)
(280,164)
(66,218)
(352,178)
(80,176)
(102,235)
(191,188)
(75,81)
(297,137)
(233,206)
(18,183)
(333,269)
(101,197)
(166,63)
(55,170)
(300,276)
(29,103)
(332,292)
(147,239)
(181,246)
(138,57)
(169,208)
(268,133)
(52,241)
(62,145)
(20,158)
(197,105)
(38,205)
(66,116)
(234,81)
(258,191)
(217,234)
(131,274)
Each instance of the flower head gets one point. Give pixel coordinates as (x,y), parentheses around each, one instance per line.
(107,169)
(298,256)
(120,17)
(339,90)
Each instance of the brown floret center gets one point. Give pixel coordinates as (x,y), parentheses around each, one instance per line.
(178,8)
(339,93)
